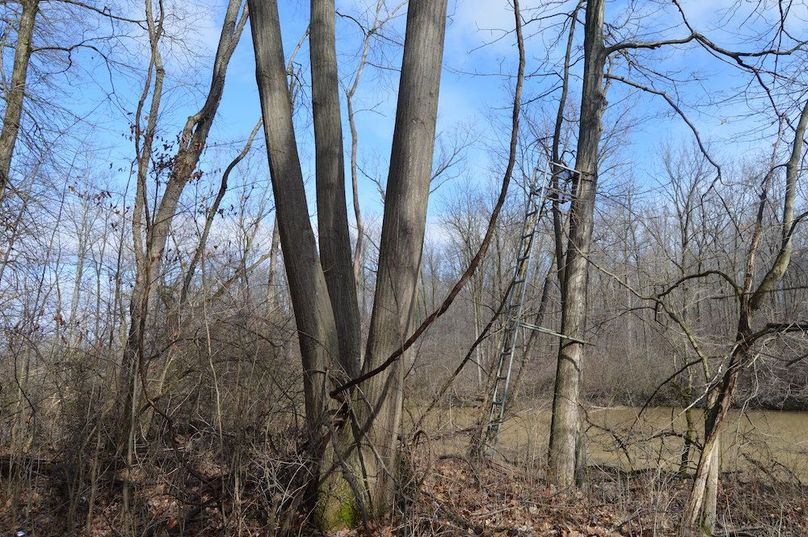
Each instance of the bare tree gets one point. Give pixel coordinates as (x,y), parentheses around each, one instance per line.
(314,316)
(566,442)
(16,93)
(565,436)
(151,226)
(700,513)
(332,212)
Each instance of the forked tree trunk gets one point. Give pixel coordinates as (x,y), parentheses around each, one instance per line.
(314,317)
(700,512)
(565,438)
(364,449)
(313,308)
(16,91)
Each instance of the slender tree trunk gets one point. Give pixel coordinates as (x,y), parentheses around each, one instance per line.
(150,232)
(559,222)
(82,232)
(272,271)
(16,93)
(332,212)
(359,252)
(476,297)
(144,138)
(564,433)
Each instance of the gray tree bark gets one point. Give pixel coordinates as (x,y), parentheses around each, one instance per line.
(332,212)
(310,300)
(377,402)
(368,458)
(565,432)
(700,512)
(16,93)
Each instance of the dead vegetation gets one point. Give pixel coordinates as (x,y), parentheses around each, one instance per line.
(191,343)
(259,490)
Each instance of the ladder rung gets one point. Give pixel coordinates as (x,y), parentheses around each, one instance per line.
(537,196)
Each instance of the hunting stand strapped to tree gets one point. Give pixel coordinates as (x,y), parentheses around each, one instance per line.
(538,190)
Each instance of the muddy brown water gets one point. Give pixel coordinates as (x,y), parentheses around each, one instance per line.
(762,442)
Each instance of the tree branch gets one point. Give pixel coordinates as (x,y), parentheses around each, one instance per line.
(481,252)
(676,108)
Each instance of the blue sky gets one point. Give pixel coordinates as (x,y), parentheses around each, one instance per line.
(480,59)
(478,105)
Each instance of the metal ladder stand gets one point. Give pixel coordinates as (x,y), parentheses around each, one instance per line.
(537,192)
(537,195)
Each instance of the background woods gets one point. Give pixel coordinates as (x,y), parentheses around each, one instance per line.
(212,326)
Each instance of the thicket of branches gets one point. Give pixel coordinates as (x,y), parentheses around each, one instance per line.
(154,370)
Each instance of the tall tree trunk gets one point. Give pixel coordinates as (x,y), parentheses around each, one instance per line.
(377,402)
(559,222)
(144,139)
(314,317)
(368,460)
(16,93)
(564,433)
(332,211)
(313,309)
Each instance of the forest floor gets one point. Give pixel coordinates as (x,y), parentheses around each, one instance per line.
(252,486)
(446,495)
(459,498)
